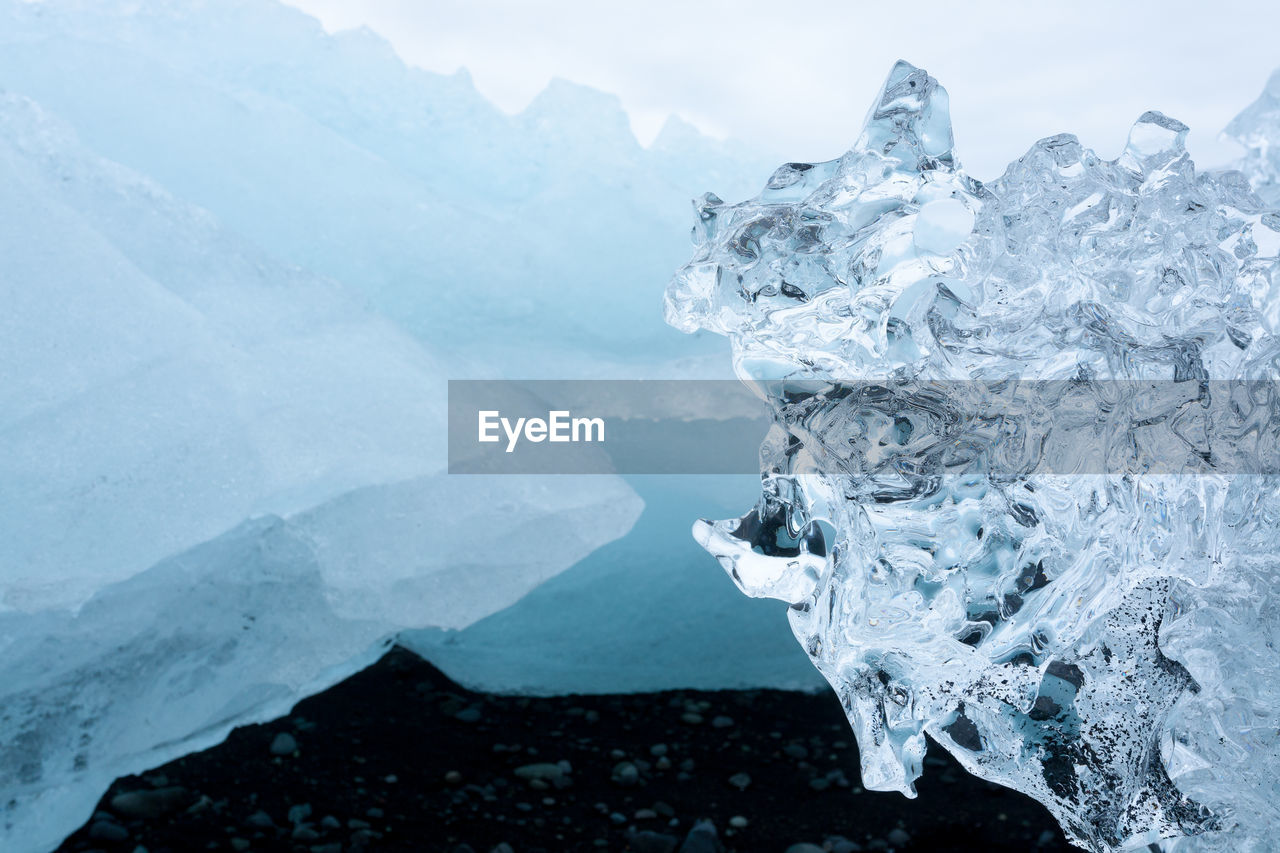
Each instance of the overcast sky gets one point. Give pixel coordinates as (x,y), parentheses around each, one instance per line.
(796,78)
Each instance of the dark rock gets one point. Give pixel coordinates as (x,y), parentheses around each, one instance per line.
(626,774)
(648,841)
(544,772)
(304,832)
(148,805)
(108,830)
(795,750)
(284,744)
(701,839)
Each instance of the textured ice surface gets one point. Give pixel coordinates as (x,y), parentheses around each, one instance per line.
(1096,636)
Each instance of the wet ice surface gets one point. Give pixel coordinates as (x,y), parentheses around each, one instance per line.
(1096,635)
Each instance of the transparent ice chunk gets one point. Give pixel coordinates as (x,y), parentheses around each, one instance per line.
(1017,584)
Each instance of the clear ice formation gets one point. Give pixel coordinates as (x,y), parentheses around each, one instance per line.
(1102,641)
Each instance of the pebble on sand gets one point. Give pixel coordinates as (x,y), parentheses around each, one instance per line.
(545,771)
(105,830)
(284,744)
(626,774)
(146,805)
(701,839)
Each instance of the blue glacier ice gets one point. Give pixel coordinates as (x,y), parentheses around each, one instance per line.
(1017,584)
(407,186)
(241,257)
(223,483)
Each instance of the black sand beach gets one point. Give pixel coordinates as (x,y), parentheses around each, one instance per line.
(399,758)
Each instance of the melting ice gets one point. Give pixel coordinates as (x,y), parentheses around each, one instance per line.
(1096,635)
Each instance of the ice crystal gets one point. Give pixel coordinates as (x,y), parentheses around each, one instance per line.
(1097,635)
(1258,130)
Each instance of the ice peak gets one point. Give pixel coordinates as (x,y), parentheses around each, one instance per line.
(1156,137)
(564,97)
(580,111)
(1253,127)
(362,41)
(677,134)
(911,120)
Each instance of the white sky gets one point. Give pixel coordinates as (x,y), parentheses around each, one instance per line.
(796,78)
